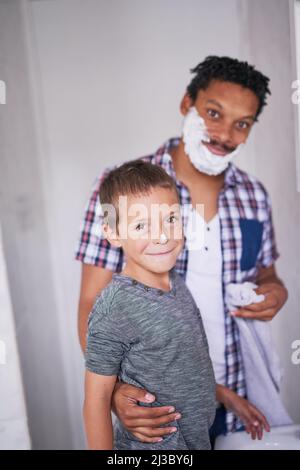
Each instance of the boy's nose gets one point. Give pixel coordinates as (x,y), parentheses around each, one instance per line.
(163,239)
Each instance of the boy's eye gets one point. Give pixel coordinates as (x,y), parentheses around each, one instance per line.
(213,113)
(140,226)
(172,219)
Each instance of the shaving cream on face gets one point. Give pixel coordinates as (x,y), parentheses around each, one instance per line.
(194,134)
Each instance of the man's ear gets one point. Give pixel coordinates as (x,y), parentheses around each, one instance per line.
(111,235)
(185,104)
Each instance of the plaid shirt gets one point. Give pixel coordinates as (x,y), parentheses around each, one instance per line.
(247,243)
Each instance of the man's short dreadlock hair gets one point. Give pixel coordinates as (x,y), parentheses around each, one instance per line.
(229,70)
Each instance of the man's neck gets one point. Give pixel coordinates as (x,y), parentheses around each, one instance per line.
(188,174)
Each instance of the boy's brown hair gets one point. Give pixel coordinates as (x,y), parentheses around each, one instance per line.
(132,178)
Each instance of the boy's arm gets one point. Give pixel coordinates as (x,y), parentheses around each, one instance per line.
(97,410)
(93,280)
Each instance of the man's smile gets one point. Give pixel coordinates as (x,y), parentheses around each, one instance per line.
(217,149)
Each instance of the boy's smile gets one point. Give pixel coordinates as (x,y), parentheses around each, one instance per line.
(161,253)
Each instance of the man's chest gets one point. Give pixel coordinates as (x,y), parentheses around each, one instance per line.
(204,200)
(240,230)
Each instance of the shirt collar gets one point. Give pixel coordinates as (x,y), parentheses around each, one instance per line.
(233,176)
(162,156)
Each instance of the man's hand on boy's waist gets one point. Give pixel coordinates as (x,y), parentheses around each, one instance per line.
(142,421)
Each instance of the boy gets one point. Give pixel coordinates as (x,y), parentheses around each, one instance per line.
(145,327)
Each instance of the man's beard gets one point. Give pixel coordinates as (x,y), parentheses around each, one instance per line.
(194,134)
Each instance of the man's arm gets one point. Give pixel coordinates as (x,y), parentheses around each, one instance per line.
(93,280)
(253,420)
(142,421)
(97,410)
(275,294)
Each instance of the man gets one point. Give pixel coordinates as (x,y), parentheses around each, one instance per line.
(220,106)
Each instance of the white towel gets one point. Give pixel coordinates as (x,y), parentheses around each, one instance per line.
(263,373)
(239,295)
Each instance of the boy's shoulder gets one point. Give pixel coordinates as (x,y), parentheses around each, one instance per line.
(114,300)
(107,300)
(177,277)
(182,289)
(111,313)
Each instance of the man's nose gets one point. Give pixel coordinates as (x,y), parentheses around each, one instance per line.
(222,134)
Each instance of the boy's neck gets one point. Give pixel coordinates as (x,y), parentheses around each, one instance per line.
(149,278)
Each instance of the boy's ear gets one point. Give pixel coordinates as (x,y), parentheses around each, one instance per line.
(110,235)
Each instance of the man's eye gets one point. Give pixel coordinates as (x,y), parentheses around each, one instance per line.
(213,113)
(243,125)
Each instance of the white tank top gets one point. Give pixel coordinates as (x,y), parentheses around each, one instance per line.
(204,279)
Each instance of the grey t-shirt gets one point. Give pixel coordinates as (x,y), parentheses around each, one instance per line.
(155,340)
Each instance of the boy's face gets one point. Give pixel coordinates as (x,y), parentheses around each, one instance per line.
(150,230)
(229,112)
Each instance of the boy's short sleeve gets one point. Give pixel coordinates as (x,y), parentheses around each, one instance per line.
(92,247)
(269,253)
(107,339)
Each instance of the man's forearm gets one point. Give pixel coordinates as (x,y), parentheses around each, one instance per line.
(221,393)
(270,279)
(224,395)
(279,288)
(268,276)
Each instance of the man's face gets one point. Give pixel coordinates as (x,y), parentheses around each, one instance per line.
(228,110)
(150,230)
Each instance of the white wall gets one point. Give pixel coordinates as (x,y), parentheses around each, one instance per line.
(26,241)
(295,35)
(103,81)
(14,433)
